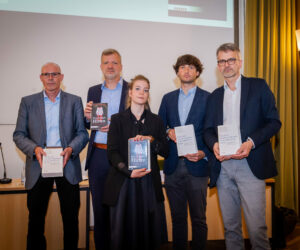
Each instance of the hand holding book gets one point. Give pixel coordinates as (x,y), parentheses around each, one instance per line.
(138,173)
(139,153)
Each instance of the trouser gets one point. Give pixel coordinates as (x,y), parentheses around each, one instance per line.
(238,187)
(37,203)
(98,170)
(184,189)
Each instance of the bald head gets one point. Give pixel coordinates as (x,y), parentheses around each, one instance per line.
(51,64)
(51,78)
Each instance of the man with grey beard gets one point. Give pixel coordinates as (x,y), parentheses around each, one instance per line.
(248,106)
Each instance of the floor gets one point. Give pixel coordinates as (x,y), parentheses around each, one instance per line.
(292,242)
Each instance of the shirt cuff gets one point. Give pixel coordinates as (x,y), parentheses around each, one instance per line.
(249,139)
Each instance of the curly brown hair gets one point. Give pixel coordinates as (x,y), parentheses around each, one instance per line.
(188,60)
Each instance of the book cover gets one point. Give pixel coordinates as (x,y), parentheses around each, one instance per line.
(52,162)
(186,140)
(99,117)
(139,154)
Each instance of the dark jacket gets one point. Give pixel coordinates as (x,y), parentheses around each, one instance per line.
(94,94)
(259,120)
(122,128)
(168,111)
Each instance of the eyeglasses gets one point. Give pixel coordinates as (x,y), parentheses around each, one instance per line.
(230,61)
(53,74)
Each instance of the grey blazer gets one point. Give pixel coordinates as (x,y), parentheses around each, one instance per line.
(31,132)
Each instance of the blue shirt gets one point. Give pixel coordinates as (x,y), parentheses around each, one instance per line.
(184,103)
(112,97)
(52,121)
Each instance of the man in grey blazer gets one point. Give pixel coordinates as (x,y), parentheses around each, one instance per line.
(51,118)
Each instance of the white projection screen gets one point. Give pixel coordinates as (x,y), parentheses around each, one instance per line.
(150,35)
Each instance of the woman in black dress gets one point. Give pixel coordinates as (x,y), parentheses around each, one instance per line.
(135,197)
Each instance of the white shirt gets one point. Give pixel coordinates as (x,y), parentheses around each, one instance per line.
(232,105)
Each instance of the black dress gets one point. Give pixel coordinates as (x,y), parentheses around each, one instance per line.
(136,204)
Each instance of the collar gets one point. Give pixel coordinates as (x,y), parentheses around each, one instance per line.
(237,83)
(191,91)
(46,97)
(120,84)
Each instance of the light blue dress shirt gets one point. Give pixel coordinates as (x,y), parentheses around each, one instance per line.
(52,121)
(184,104)
(112,97)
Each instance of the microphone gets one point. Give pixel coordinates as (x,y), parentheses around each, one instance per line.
(4,180)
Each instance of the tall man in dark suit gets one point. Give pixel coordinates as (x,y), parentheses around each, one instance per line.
(113,91)
(51,118)
(248,105)
(186,177)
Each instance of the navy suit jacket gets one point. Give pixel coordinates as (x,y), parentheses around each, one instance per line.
(94,94)
(259,120)
(31,132)
(168,111)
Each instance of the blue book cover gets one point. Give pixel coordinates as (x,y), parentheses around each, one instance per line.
(138,154)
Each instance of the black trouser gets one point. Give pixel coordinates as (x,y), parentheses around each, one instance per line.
(98,169)
(37,203)
(184,189)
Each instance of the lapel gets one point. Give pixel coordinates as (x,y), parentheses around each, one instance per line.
(219,105)
(96,97)
(244,96)
(123,96)
(176,107)
(97,94)
(195,104)
(62,108)
(42,115)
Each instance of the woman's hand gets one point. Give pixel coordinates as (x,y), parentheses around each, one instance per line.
(138,173)
(142,137)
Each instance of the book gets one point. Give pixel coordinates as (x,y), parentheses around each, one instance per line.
(139,154)
(186,140)
(229,139)
(99,117)
(52,162)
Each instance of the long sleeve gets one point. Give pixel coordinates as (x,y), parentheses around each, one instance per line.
(21,133)
(160,144)
(81,136)
(114,141)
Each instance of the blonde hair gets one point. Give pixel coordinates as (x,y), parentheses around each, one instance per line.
(108,52)
(130,87)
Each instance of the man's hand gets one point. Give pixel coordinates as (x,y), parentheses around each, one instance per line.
(172,135)
(195,157)
(88,110)
(66,154)
(105,128)
(138,173)
(39,152)
(216,150)
(243,151)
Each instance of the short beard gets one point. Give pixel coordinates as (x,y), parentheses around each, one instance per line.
(111,77)
(188,82)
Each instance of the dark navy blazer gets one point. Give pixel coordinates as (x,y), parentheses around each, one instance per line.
(259,120)
(168,111)
(94,94)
